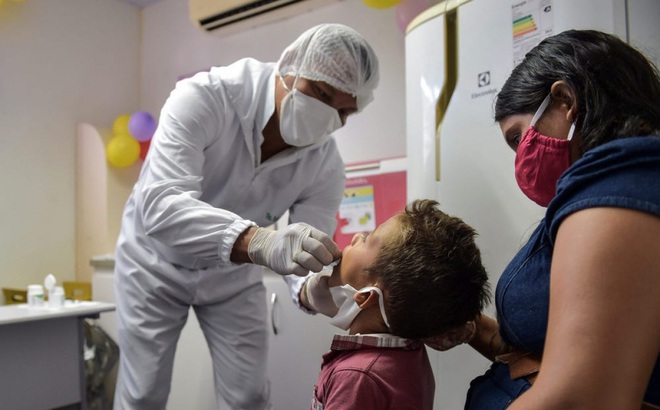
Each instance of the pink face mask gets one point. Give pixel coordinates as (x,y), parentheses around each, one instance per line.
(540,161)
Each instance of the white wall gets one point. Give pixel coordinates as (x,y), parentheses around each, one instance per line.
(172,45)
(87,61)
(61,62)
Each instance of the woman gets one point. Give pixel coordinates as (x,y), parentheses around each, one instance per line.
(581,300)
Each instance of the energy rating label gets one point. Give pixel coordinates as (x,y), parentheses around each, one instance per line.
(523,26)
(532,22)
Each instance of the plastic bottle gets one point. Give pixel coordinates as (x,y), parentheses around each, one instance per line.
(35,295)
(56,297)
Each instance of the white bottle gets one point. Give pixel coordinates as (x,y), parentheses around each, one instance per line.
(56,297)
(35,295)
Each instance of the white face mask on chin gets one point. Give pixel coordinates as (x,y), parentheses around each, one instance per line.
(348,308)
(304,120)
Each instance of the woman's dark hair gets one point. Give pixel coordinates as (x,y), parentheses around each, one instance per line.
(617,89)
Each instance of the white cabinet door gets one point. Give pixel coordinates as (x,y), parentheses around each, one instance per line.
(297,341)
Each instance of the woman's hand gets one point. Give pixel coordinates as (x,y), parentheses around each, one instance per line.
(487,339)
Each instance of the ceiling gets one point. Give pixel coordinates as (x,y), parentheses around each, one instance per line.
(140,3)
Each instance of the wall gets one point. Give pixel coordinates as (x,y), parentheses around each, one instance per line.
(88,61)
(62,62)
(172,45)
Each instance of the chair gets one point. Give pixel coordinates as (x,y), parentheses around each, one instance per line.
(14,296)
(77,290)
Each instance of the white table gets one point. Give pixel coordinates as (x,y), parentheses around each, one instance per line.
(41,355)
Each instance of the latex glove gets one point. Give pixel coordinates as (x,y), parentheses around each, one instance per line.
(318,293)
(452,337)
(296,249)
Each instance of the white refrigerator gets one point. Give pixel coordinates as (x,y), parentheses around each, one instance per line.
(458,55)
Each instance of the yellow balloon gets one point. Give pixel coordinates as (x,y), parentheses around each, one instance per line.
(120,126)
(122,150)
(381,4)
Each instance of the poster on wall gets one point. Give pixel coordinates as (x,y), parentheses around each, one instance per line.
(369,200)
(357,210)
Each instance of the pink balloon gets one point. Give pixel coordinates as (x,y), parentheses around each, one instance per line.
(407,10)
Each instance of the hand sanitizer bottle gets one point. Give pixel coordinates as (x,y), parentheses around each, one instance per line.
(35,295)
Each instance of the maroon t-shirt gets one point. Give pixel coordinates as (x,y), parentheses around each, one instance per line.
(374,372)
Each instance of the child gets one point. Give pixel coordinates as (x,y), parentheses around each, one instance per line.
(417,276)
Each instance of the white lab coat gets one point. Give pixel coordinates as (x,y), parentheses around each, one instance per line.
(201,185)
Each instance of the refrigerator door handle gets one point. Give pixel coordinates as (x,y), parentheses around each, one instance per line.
(451,78)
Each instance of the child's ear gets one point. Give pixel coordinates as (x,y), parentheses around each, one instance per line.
(366,299)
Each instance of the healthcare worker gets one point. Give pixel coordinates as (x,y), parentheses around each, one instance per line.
(235,148)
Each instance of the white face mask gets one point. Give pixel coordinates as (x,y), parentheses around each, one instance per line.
(348,308)
(304,120)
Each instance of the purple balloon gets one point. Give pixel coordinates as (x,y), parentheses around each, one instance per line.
(142,126)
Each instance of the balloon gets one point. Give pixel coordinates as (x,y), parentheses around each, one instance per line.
(407,10)
(122,150)
(144,149)
(142,126)
(381,4)
(120,126)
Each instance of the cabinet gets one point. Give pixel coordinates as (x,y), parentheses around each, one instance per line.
(41,351)
(296,343)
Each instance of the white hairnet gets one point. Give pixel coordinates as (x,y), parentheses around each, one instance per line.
(337,55)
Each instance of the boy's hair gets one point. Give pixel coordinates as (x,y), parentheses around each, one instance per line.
(431,273)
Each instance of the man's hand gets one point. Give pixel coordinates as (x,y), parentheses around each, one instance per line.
(296,249)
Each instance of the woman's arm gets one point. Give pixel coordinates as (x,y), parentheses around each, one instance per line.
(603,335)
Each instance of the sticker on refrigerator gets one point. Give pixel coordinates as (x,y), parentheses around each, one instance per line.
(358,210)
(532,22)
